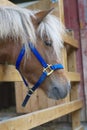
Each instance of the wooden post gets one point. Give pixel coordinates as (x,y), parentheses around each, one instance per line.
(74,91)
(58,9)
(6,2)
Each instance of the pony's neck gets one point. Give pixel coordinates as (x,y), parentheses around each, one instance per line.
(9,52)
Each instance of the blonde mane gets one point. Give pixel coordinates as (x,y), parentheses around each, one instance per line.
(16,22)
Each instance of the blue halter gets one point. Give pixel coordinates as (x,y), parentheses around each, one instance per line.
(47,70)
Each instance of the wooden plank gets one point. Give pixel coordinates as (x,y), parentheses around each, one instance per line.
(6,2)
(70,41)
(18,96)
(40,5)
(55,5)
(64,59)
(75,115)
(42,99)
(58,9)
(51,102)
(33,102)
(28,121)
(76,125)
(20,93)
(61,11)
(73,76)
(8,73)
(72,57)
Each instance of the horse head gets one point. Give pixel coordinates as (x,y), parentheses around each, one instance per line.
(45,32)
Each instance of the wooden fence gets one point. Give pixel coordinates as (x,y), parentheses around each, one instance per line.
(40,109)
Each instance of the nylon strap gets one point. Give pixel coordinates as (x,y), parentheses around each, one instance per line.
(18,62)
(38,56)
(30,92)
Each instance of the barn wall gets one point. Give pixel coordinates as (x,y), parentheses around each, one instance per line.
(82,5)
(72,22)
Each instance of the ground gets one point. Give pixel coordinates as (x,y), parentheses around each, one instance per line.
(54,126)
(58,126)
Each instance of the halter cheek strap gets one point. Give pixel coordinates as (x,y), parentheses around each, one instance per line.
(47,70)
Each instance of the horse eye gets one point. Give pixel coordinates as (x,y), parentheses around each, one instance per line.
(48,43)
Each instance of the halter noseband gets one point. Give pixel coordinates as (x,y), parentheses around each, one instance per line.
(47,70)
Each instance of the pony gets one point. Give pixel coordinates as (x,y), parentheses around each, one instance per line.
(18,28)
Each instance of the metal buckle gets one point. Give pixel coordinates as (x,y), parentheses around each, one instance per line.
(48,70)
(30,92)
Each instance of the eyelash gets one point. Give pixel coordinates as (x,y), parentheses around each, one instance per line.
(47,43)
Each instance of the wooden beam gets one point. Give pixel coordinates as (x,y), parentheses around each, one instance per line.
(73,76)
(6,2)
(70,41)
(61,11)
(28,121)
(76,125)
(8,73)
(40,5)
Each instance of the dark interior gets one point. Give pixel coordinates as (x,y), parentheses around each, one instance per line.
(21,1)
(7,95)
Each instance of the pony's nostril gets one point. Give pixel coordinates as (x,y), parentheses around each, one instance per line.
(56,92)
(59,93)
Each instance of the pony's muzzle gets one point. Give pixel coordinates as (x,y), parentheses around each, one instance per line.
(57,93)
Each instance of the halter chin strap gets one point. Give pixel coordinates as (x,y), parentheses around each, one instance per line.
(47,70)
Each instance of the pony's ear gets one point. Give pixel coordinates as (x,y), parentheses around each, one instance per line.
(42,14)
